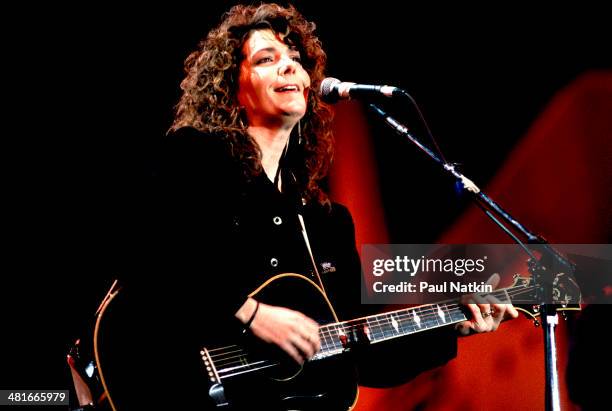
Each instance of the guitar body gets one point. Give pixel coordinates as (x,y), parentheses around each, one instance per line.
(233,371)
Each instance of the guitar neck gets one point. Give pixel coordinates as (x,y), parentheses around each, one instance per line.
(386,326)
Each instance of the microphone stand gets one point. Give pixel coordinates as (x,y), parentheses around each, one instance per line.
(543,278)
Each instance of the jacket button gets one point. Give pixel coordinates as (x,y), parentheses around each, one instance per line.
(274,262)
(277,220)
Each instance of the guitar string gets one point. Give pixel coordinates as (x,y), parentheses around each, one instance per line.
(333,332)
(239,367)
(233,371)
(249,370)
(431,311)
(330,330)
(268,365)
(425,313)
(384,329)
(223,375)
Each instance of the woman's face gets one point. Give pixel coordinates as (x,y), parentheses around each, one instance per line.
(273,86)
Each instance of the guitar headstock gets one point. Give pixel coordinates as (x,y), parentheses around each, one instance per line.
(565,296)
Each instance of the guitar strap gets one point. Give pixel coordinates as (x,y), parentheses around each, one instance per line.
(312,259)
(292,154)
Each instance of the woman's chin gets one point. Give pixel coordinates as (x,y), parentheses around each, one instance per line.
(294,110)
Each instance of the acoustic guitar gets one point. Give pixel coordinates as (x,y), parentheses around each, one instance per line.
(245,373)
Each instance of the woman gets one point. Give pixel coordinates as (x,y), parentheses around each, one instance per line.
(239,186)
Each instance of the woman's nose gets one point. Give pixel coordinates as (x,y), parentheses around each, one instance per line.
(287,66)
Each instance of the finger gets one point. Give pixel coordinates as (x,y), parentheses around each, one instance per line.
(485,313)
(480,298)
(496,313)
(478,323)
(507,310)
(313,326)
(502,310)
(488,312)
(494,280)
(511,311)
(467,299)
(494,304)
(475,298)
(485,308)
(313,338)
(290,349)
(310,331)
(464,327)
(304,346)
(492,299)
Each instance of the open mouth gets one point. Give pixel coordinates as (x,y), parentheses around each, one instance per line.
(290,88)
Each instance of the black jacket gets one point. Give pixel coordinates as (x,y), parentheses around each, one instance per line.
(212,237)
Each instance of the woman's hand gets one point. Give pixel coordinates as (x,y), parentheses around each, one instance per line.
(487,312)
(292,331)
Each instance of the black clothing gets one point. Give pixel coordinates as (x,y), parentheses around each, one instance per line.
(213,236)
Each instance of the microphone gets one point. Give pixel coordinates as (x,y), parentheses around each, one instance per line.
(332,90)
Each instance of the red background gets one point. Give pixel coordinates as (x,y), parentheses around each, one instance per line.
(556,181)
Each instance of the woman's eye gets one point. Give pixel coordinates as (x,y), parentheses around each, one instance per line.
(297,59)
(264,60)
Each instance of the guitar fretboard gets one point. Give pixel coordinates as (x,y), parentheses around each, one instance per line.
(386,326)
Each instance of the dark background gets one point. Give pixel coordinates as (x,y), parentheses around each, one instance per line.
(92,90)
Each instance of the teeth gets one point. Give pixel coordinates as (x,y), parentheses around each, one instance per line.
(288,88)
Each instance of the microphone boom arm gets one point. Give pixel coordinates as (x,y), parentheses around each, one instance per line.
(482,200)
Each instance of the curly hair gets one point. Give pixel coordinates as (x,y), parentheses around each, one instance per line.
(209,101)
